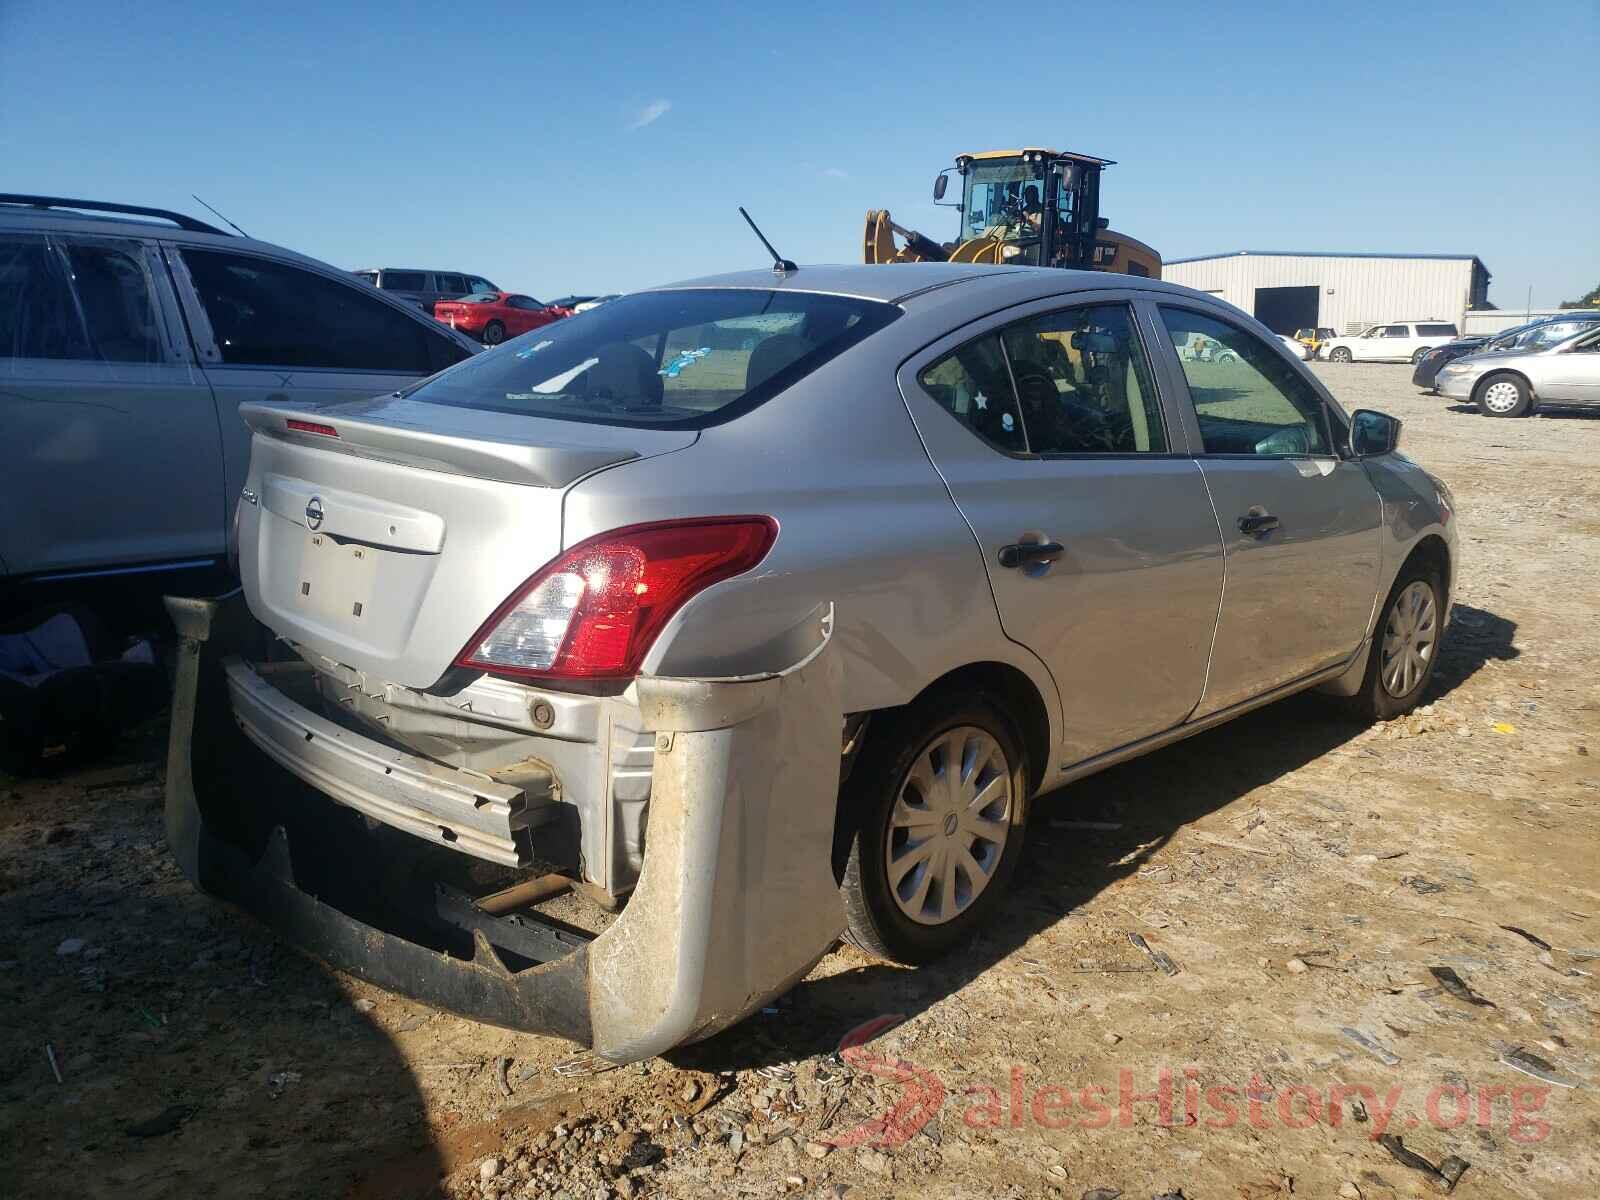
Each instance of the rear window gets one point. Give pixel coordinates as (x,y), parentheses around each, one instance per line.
(1436,331)
(674,359)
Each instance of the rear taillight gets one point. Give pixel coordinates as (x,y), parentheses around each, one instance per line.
(593,612)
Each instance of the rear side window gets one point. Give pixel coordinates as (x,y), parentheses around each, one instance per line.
(454,284)
(1436,331)
(972,385)
(265,313)
(87,300)
(405,281)
(674,359)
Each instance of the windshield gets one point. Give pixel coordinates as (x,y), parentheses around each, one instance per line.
(673,359)
(1000,193)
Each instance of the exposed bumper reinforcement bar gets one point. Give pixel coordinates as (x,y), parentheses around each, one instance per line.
(735,903)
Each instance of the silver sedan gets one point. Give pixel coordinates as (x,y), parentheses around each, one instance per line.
(1511,383)
(767,603)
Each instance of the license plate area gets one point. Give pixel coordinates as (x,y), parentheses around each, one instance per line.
(336,579)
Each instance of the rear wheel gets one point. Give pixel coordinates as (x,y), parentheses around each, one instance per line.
(1420,355)
(1504,396)
(494,333)
(942,797)
(1339,354)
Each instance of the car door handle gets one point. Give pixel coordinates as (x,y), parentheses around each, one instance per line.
(1018,553)
(1258,523)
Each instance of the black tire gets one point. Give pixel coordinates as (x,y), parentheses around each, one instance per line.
(1420,355)
(1376,702)
(494,333)
(1340,354)
(875,921)
(1524,400)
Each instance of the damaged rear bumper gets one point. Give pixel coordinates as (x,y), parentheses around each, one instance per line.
(736,900)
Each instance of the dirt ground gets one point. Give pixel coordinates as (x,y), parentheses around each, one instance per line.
(1302,875)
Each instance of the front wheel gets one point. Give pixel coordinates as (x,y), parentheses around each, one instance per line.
(494,333)
(1406,646)
(1504,396)
(941,797)
(1339,354)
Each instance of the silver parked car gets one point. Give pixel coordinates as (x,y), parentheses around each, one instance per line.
(767,603)
(1511,383)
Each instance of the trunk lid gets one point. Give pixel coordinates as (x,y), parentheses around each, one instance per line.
(385,544)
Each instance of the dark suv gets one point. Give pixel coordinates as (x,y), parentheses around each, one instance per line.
(129,337)
(424,288)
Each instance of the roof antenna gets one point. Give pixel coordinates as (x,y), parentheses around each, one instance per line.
(780,265)
(223,219)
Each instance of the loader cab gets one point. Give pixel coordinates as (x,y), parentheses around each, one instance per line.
(1041,205)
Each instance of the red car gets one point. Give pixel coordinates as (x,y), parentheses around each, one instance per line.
(492,317)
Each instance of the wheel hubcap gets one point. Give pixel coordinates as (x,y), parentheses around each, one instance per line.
(1501,397)
(1409,639)
(949,826)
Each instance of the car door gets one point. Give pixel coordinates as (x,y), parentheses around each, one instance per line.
(1394,344)
(1093,523)
(1301,525)
(111,456)
(283,333)
(1571,373)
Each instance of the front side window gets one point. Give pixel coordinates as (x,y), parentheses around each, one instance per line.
(405,281)
(476,285)
(265,313)
(454,284)
(67,299)
(675,359)
(527,302)
(1248,398)
(1396,331)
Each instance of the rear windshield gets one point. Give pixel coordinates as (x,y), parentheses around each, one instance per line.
(673,359)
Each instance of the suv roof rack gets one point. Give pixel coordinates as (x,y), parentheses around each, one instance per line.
(179,219)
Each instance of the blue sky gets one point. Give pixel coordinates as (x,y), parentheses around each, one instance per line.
(592,147)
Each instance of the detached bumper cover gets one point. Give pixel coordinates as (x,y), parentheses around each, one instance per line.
(735,903)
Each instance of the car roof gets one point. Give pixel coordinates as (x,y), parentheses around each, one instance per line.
(64,220)
(896,283)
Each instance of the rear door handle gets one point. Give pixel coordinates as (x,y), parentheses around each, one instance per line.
(1018,553)
(1258,523)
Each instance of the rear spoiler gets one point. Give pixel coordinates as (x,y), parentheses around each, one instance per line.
(505,447)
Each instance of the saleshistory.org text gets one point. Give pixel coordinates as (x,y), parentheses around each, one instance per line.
(1176,1097)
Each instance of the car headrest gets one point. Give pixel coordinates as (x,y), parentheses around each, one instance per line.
(625,374)
(773,355)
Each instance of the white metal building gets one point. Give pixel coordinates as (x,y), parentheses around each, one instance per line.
(1295,289)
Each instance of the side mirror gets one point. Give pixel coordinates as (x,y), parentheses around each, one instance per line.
(1373,433)
(939,184)
(1102,223)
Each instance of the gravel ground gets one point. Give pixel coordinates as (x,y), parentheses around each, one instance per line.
(1308,881)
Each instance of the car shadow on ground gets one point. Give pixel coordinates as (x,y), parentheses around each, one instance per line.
(165,1044)
(1143,802)
(1557,412)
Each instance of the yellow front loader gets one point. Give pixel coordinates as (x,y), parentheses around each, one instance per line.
(1029,207)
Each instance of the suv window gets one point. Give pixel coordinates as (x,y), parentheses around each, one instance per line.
(455,284)
(88,300)
(476,284)
(405,281)
(1397,331)
(266,313)
(1436,331)
(1249,399)
(676,359)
